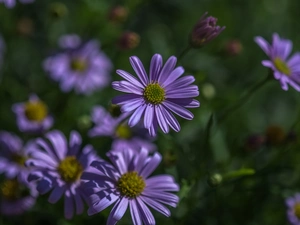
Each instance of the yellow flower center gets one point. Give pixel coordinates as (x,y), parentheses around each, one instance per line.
(115,110)
(78,65)
(70,169)
(154,94)
(19,159)
(10,189)
(123,131)
(282,66)
(36,111)
(297,210)
(131,184)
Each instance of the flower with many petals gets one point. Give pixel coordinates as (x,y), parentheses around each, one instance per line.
(16,196)
(81,66)
(106,124)
(293,212)
(58,166)
(13,156)
(128,185)
(12,3)
(158,95)
(286,69)
(33,115)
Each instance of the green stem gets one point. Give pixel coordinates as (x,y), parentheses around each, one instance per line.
(243,99)
(184,52)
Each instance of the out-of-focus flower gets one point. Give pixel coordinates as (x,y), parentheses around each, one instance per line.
(82,66)
(208,90)
(58,10)
(204,31)
(118,14)
(286,70)
(128,185)
(13,156)
(58,166)
(16,197)
(129,40)
(275,135)
(215,180)
(293,211)
(254,142)
(233,47)
(25,26)
(115,127)
(12,3)
(156,96)
(33,116)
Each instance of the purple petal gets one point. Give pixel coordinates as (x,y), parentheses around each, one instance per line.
(102,204)
(151,165)
(75,142)
(294,60)
(155,67)
(129,78)
(59,143)
(185,102)
(182,82)
(132,105)
(136,116)
(135,214)
(182,93)
(120,209)
(56,194)
(44,186)
(156,205)
(171,120)
(167,69)
(148,118)
(263,44)
(69,206)
(161,120)
(123,99)
(79,204)
(141,159)
(147,216)
(179,110)
(139,69)
(175,74)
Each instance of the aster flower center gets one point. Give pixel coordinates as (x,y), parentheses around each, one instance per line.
(79,65)
(282,66)
(131,184)
(10,189)
(19,159)
(154,93)
(36,111)
(70,169)
(297,210)
(123,131)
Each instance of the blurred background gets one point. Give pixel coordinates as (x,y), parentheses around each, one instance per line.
(236,171)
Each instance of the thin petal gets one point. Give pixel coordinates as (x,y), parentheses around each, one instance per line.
(148,118)
(102,204)
(139,69)
(171,120)
(151,165)
(56,194)
(147,216)
(155,67)
(69,206)
(157,206)
(167,69)
(132,105)
(120,209)
(123,99)
(161,120)
(175,74)
(136,116)
(129,78)
(263,44)
(179,110)
(135,214)
(59,143)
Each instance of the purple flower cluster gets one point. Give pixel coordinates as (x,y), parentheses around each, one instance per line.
(157,96)
(80,66)
(293,211)
(12,3)
(286,69)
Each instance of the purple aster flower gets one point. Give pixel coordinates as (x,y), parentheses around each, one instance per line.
(33,116)
(293,211)
(112,124)
(81,66)
(57,166)
(16,197)
(129,185)
(158,95)
(12,3)
(286,70)
(204,31)
(13,156)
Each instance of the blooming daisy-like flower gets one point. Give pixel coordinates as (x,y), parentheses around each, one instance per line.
(286,69)
(33,115)
(129,185)
(81,66)
(16,196)
(58,166)
(158,95)
(12,3)
(293,211)
(13,156)
(112,124)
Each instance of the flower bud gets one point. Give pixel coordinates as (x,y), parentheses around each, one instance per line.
(233,48)
(114,110)
(129,40)
(204,31)
(275,135)
(215,180)
(118,14)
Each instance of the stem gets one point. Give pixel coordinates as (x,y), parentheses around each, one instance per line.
(184,52)
(243,99)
